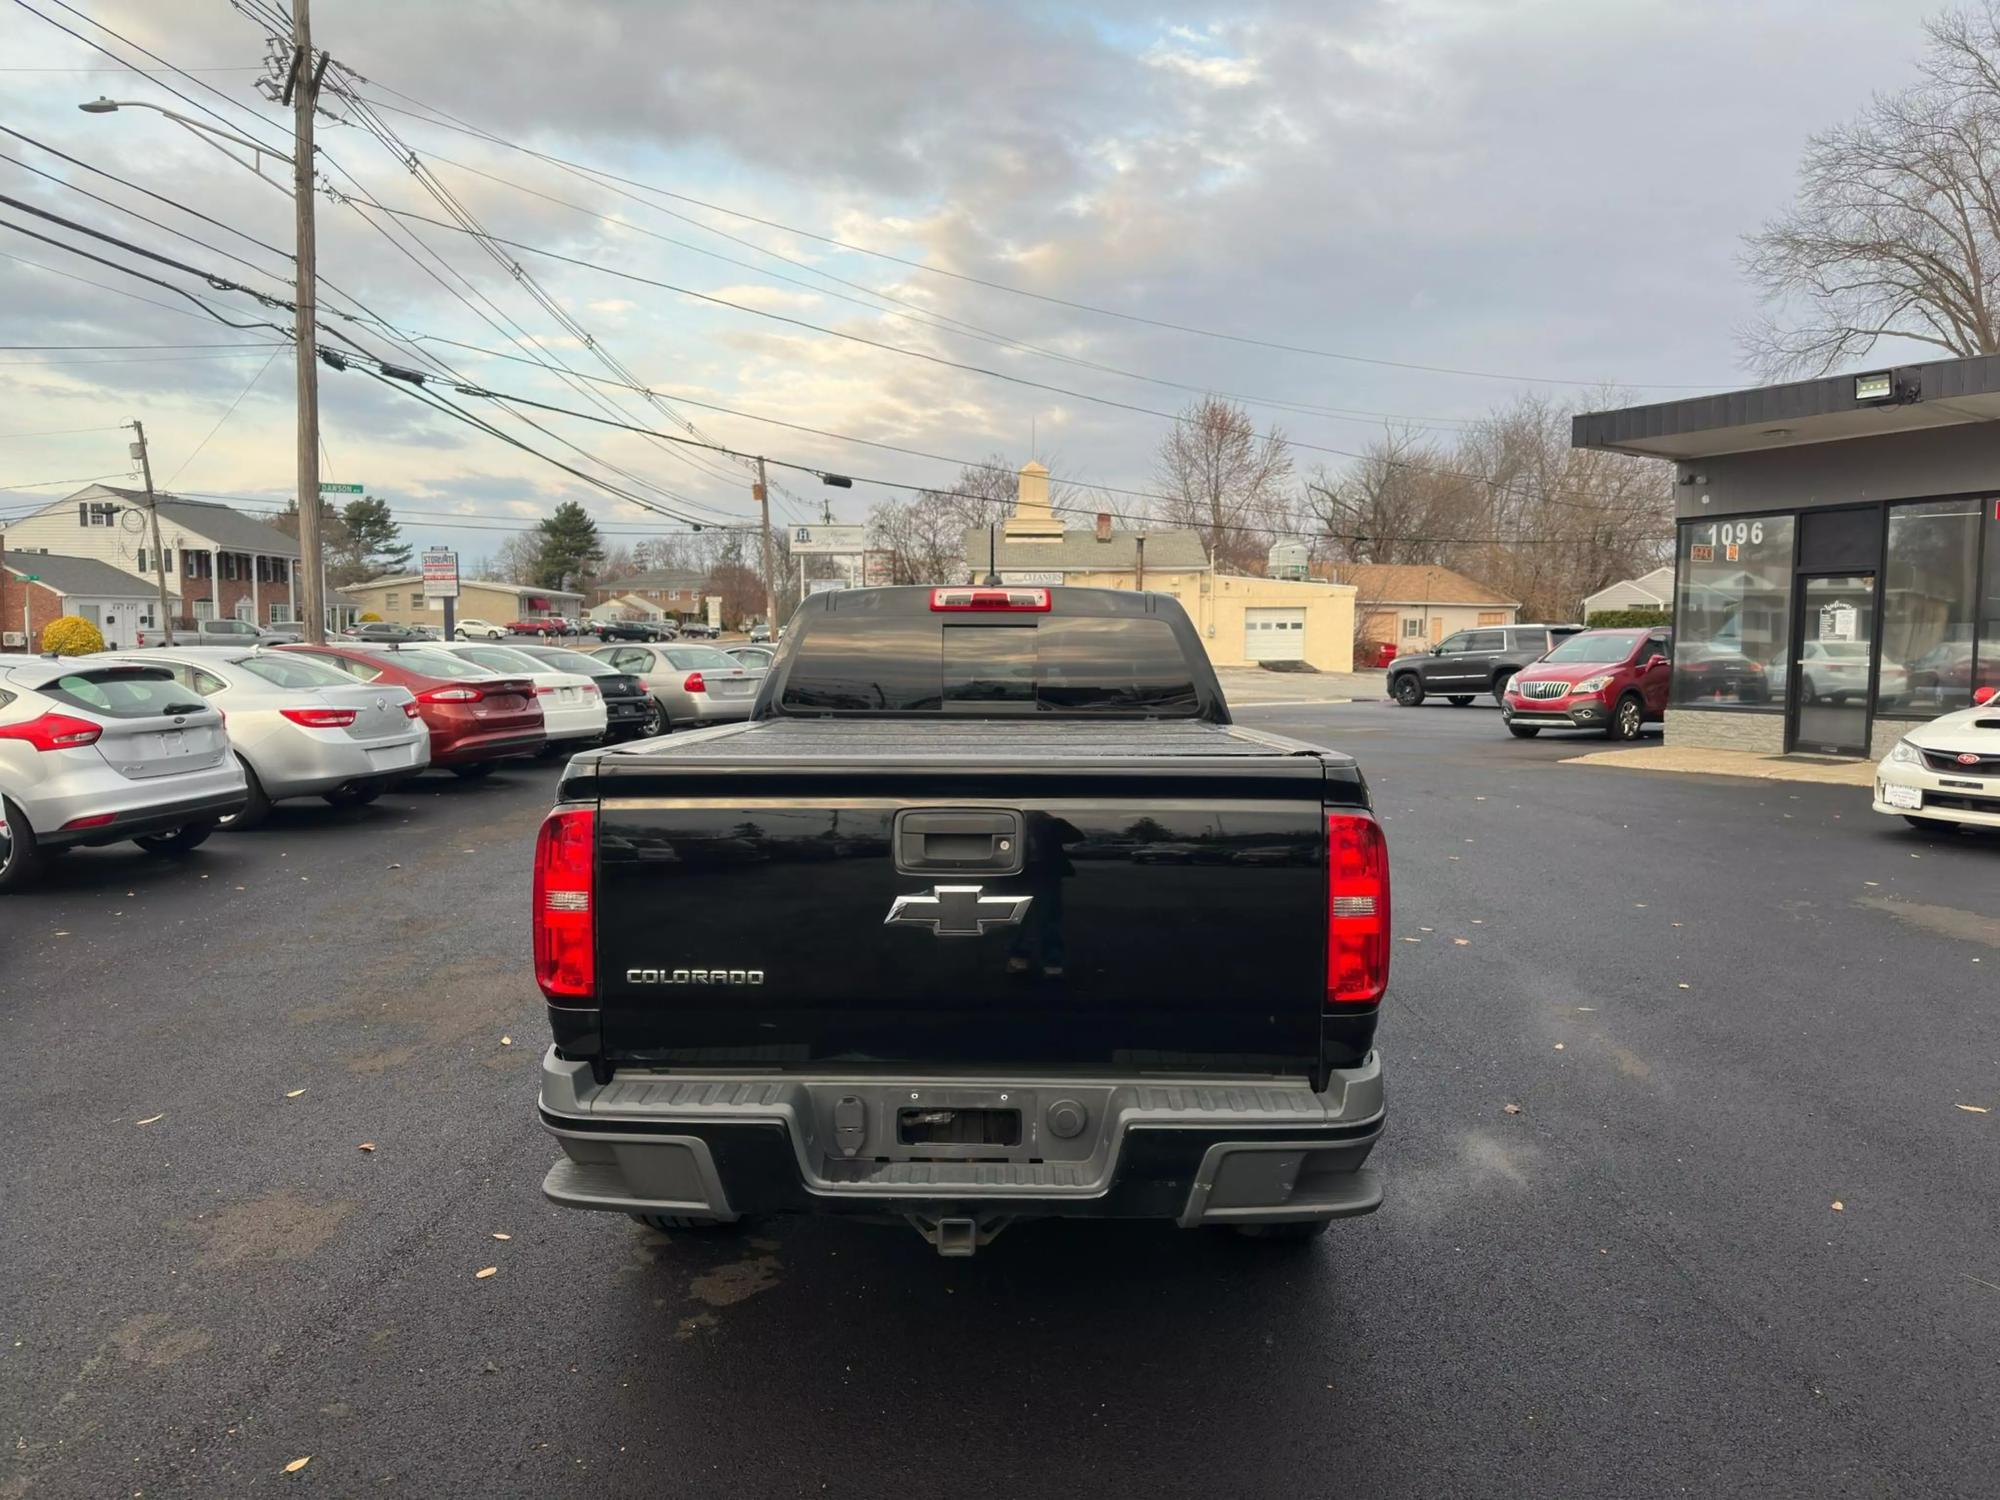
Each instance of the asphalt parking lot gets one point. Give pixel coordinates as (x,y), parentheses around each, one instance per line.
(1739,1238)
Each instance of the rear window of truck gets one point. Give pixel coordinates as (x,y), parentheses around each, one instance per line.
(922,664)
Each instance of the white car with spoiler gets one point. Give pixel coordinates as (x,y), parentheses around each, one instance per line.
(1946,771)
(96,751)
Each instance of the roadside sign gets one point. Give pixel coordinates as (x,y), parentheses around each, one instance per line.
(714,604)
(341,489)
(440,573)
(1041,580)
(829,538)
(825,585)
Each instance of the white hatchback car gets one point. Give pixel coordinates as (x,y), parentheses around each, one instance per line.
(572,707)
(1946,771)
(95,751)
(300,727)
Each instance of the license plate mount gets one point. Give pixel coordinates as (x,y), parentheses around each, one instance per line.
(1907,797)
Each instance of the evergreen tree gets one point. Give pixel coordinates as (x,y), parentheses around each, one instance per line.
(570,547)
(373,543)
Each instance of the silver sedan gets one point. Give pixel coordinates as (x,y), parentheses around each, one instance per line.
(695,685)
(300,727)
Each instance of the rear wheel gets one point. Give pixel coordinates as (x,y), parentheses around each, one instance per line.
(1524,731)
(180,841)
(256,810)
(1407,690)
(1294,1232)
(655,721)
(683,1224)
(1627,719)
(1458,700)
(473,773)
(20,860)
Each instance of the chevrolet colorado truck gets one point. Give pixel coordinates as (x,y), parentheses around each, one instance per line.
(988,912)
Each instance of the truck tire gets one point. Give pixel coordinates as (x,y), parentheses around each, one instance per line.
(683,1224)
(180,841)
(20,860)
(1628,719)
(1524,731)
(256,810)
(1458,700)
(1293,1232)
(1407,690)
(1501,682)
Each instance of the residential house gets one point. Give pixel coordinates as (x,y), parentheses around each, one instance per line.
(1654,590)
(1241,620)
(676,592)
(624,607)
(399,599)
(1413,604)
(221,563)
(38,587)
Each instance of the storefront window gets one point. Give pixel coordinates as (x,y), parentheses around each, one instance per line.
(1987,671)
(1733,617)
(1930,574)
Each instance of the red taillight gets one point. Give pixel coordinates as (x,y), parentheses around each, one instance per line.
(565,925)
(452,695)
(1357,910)
(693,683)
(411,711)
(543,691)
(956,599)
(319,718)
(54,732)
(95,820)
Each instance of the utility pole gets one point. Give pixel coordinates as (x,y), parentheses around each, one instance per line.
(302,93)
(770,596)
(153,509)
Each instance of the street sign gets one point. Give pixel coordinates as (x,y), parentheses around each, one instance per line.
(807,539)
(1031,580)
(340,489)
(440,573)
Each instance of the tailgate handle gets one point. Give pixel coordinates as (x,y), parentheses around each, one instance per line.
(971,842)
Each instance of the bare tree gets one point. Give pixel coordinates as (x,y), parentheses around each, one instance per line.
(1404,501)
(1895,231)
(514,561)
(1223,481)
(925,535)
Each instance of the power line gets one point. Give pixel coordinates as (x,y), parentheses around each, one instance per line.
(261,369)
(35,484)
(56,432)
(448,121)
(164,359)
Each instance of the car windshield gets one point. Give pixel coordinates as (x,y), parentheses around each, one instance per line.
(703,659)
(500,659)
(569,661)
(439,664)
(293,671)
(1593,647)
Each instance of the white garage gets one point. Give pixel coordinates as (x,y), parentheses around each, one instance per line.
(1274,634)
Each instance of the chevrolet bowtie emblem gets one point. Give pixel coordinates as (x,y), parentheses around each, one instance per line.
(957,911)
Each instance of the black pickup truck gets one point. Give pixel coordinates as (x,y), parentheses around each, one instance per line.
(988,912)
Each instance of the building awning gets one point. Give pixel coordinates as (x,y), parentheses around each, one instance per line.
(1868,403)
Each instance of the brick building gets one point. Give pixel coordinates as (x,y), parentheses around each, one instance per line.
(675,591)
(37,587)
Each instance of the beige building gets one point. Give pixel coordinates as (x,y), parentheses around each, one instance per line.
(1412,605)
(1242,620)
(399,599)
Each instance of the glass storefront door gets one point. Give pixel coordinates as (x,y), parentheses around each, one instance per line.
(1833,644)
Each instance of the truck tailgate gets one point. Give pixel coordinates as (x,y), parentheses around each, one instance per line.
(1138,896)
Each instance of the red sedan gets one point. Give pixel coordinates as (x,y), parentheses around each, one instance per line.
(475,718)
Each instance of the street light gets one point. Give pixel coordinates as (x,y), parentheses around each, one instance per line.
(208,134)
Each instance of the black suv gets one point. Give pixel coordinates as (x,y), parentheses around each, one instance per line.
(1462,666)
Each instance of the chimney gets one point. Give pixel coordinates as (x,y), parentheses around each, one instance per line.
(1104,525)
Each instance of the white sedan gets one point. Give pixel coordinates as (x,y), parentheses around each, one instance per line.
(572,707)
(1946,771)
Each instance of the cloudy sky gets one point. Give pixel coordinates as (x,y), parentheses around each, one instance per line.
(1549,193)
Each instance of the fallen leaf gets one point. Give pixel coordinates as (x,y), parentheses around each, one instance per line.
(395,867)
(1512,1109)
(1413,940)
(506,1041)
(499,1236)
(1559,1046)
(1839,1207)
(295,1093)
(1586,1007)
(489,1271)
(150,1119)
(1427,929)
(1975,1109)
(297,1464)
(1479,921)
(1871,882)
(1462,942)
(1683,986)
(365,1146)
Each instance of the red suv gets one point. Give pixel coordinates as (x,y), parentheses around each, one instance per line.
(475,717)
(1613,680)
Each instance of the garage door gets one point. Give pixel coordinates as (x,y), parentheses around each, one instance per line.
(1274,635)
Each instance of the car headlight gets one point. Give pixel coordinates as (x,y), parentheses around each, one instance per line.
(1907,753)
(1592,684)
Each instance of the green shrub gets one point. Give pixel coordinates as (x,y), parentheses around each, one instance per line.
(1628,619)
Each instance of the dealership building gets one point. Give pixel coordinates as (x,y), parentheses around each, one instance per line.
(1837,553)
